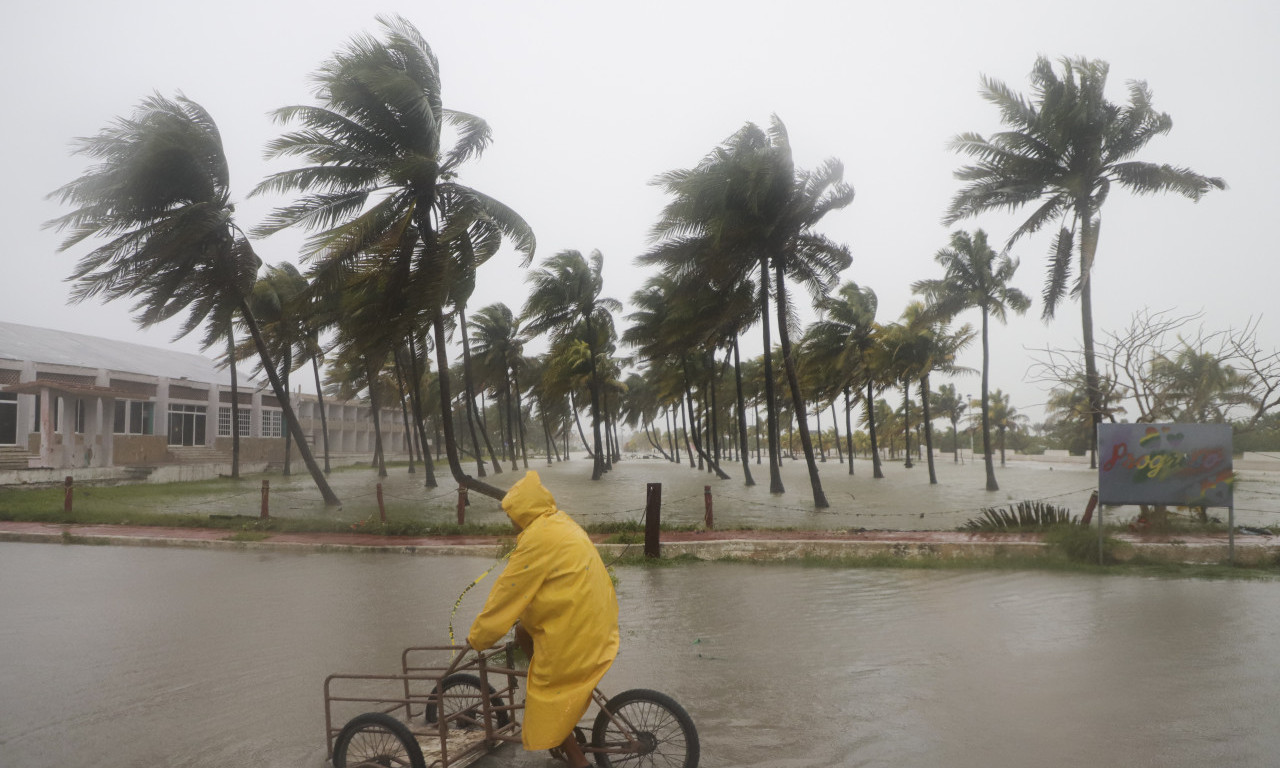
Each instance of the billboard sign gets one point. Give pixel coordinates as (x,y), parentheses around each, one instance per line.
(1186,465)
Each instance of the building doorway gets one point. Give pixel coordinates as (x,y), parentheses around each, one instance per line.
(186,424)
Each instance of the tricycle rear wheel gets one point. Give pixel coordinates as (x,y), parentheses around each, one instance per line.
(376,740)
(662,731)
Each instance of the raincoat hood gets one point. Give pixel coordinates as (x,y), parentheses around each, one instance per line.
(528,500)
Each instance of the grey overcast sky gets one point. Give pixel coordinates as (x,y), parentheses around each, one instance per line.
(589,101)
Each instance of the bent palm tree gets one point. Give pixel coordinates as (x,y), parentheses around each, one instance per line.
(1065,149)
(161,197)
(379,178)
(565,301)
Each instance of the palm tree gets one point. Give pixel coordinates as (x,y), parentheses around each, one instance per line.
(275,301)
(564,300)
(846,332)
(379,178)
(161,197)
(975,277)
(921,344)
(746,211)
(951,407)
(1005,417)
(1065,149)
(495,333)
(1196,386)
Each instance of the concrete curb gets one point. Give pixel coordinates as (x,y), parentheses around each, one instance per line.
(1259,551)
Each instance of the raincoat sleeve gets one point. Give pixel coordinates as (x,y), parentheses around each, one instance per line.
(509,597)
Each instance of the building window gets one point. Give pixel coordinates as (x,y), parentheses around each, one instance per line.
(8,418)
(271,424)
(224,421)
(134,417)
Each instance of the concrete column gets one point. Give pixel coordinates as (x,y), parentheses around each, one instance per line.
(162,407)
(67,417)
(211,418)
(106,453)
(46,428)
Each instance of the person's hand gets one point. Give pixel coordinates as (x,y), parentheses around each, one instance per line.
(524,640)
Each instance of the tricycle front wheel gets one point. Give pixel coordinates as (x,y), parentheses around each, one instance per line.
(643,727)
(376,740)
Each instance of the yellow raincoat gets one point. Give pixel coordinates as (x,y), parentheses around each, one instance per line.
(557,587)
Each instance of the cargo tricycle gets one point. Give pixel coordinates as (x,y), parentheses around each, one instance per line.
(450,705)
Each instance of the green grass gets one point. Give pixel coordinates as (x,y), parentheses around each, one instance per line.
(182,505)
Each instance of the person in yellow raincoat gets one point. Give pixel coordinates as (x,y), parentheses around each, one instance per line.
(557,587)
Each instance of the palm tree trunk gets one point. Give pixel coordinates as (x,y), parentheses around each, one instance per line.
(906,423)
(876,472)
(712,464)
(688,448)
(744,451)
(835,429)
(235,404)
(1088,249)
(524,448)
(404,408)
(649,434)
(928,428)
(992,485)
(483,422)
(291,420)
(780,298)
(582,435)
(446,400)
(822,449)
(288,442)
(848,428)
(416,398)
(672,443)
(770,408)
(324,417)
(375,408)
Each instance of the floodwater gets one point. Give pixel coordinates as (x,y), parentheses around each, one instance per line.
(123,656)
(903,500)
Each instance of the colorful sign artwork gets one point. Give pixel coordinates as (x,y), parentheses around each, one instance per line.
(1186,465)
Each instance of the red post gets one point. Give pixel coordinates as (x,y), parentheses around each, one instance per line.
(266,506)
(706,495)
(382,510)
(1088,511)
(66,494)
(462,504)
(652,520)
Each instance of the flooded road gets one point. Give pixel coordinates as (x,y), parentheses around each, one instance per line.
(121,656)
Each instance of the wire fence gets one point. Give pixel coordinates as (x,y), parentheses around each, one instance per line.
(898,502)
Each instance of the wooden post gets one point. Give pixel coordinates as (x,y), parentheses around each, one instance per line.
(382,509)
(652,520)
(462,504)
(706,495)
(66,494)
(1088,510)
(266,505)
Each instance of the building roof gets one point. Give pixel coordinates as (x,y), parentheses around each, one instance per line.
(44,345)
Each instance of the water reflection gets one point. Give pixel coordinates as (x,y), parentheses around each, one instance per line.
(126,656)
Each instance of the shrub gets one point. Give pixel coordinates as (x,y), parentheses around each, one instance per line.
(1080,543)
(1025,515)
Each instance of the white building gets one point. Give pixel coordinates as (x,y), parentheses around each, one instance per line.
(69,400)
